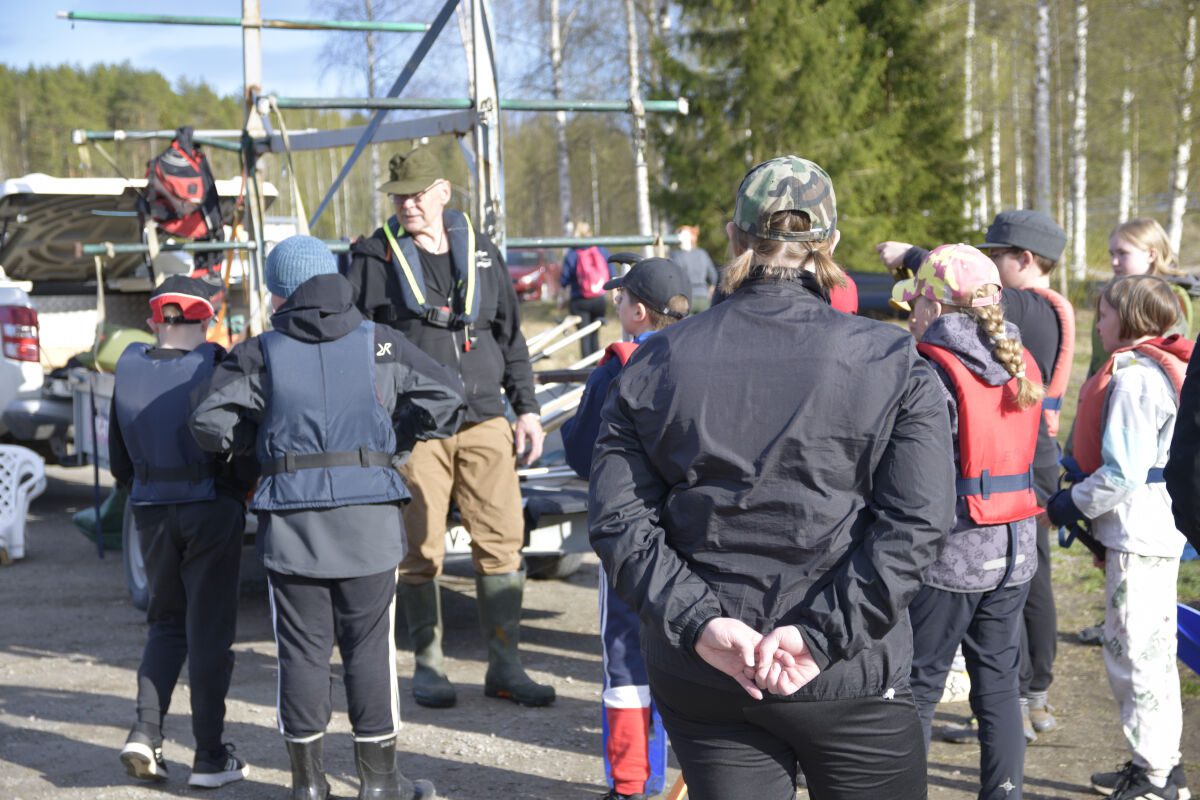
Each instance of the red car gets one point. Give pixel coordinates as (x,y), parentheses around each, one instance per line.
(530,274)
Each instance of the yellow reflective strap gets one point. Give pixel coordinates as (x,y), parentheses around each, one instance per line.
(470,266)
(398,254)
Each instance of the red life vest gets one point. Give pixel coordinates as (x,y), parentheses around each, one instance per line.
(1171,353)
(620,351)
(1061,371)
(845,298)
(996,441)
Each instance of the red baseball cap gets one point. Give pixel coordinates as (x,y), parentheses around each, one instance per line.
(193,296)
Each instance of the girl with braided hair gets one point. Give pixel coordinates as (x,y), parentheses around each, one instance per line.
(975,592)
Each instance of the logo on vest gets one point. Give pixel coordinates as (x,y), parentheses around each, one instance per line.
(483,259)
(385,349)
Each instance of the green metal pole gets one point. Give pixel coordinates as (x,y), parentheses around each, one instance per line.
(113,136)
(236,22)
(340,246)
(535,242)
(457,103)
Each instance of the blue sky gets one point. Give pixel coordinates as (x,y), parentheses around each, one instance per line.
(32,35)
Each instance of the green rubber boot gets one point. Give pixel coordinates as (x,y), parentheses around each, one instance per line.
(423,610)
(499,598)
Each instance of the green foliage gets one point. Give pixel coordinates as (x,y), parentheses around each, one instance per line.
(859,87)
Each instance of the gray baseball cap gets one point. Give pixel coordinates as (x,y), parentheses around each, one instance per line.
(1026,230)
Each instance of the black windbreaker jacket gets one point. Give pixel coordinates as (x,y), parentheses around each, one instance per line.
(1183,468)
(778,462)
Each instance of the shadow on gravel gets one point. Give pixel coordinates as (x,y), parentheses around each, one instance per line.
(46,752)
(969,782)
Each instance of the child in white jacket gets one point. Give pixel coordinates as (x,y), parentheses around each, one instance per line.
(1122,434)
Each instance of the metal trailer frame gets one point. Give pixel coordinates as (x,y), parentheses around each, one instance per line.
(477,116)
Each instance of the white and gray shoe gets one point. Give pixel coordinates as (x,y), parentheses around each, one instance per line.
(143,758)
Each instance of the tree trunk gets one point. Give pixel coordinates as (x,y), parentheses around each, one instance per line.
(969,211)
(1125,203)
(1041,111)
(380,211)
(995,81)
(1079,146)
(1018,138)
(642,172)
(1183,136)
(560,121)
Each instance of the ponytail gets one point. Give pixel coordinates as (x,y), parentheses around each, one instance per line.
(1008,352)
(777,259)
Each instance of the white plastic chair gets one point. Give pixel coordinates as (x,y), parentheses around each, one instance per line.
(22,478)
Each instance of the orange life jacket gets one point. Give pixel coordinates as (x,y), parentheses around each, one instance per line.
(1171,353)
(996,441)
(1061,370)
(620,351)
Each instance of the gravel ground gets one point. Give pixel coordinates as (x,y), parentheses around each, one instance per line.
(70,643)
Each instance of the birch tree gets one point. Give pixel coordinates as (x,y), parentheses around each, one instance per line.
(1018,138)
(1079,147)
(1041,110)
(1125,199)
(970,210)
(641,170)
(1183,135)
(994,76)
(560,118)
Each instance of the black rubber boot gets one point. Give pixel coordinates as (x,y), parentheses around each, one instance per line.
(499,598)
(381,779)
(423,611)
(308,771)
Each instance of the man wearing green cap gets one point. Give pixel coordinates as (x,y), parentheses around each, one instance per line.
(431,275)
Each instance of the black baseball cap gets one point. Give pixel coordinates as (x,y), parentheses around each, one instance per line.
(655,281)
(1026,230)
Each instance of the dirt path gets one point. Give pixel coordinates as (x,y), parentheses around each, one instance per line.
(70,644)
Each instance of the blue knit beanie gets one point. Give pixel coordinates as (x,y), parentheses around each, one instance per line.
(295,260)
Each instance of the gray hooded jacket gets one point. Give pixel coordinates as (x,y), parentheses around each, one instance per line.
(975,558)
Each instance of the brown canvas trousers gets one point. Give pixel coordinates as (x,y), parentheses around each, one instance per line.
(477,469)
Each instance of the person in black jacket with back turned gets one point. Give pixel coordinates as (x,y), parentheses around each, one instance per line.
(327,400)
(753,498)
(1182,472)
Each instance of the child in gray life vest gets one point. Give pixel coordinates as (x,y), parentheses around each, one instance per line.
(190,511)
(327,400)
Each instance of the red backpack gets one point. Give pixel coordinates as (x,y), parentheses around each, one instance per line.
(591,271)
(181,194)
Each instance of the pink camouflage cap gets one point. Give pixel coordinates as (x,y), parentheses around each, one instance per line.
(950,275)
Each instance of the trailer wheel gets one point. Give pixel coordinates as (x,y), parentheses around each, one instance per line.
(553,567)
(131,558)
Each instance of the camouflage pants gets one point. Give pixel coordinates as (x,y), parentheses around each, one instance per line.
(1139,653)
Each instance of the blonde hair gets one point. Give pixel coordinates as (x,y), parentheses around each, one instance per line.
(581,228)
(678,304)
(1145,233)
(776,260)
(1008,352)
(1146,305)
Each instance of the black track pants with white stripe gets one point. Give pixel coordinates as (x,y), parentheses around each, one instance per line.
(310,615)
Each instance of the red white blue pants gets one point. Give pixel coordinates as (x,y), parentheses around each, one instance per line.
(635,745)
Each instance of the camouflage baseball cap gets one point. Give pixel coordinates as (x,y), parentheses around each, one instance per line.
(787,183)
(950,275)
(412,172)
